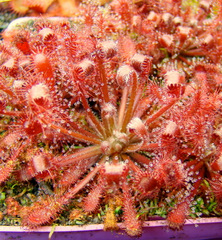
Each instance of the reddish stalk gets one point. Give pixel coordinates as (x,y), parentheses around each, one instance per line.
(142,147)
(195,52)
(132,165)
(81,154)
(160,112)
(4,89)
(108,123)
(6,170)
(129,111)
(103,78)
(72,191)
(122,106)
(83,130)
(140,158)
(96,123)
(77,136)
(11,113)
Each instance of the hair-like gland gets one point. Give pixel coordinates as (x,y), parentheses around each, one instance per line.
(10,66)
(146,183)
(176,218)
(42,64)
(7,168)
(21,41)
(141,63)
(74,172)
(47,34)
(39,97)
(13,207)
(216,185)
(39,162)
(91,202)
(216,165)
(132,224)
(107,49)
(41,212)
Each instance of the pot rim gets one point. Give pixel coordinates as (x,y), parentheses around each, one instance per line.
(98,227)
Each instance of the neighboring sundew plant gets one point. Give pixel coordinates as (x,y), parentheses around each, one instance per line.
(47,8)
(113,108)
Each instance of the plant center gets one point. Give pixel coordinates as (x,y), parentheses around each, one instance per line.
(115,143)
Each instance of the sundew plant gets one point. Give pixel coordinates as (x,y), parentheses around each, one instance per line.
(116,106)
